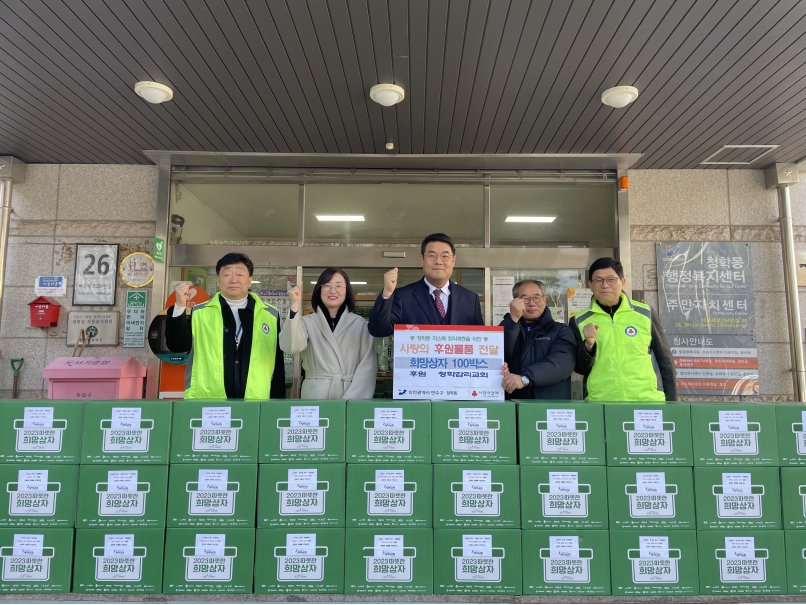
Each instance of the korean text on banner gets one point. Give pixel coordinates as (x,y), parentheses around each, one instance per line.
(448,362)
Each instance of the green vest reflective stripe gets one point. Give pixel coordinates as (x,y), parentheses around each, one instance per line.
(624,369)
(206,366)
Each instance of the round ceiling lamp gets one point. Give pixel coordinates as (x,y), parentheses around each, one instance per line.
(154,92)
(620,96)
(387,94)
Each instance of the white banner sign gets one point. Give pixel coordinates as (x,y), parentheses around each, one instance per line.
(96,274)
(448,362)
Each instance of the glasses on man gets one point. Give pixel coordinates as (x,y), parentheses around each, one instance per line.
(611,281)
(432,257)
(536,298)
(334,287)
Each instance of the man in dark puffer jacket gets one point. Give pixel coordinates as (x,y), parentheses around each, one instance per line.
(539,353)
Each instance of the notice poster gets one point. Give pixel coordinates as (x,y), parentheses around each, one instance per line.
(705,288)
(448,362)
(715,365)
(579,300)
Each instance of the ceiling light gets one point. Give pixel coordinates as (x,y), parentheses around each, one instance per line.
(154,92)
(620,96)
(340,217)
(530,219)
(386,94)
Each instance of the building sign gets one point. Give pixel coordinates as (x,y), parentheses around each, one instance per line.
(448,362)
(50,285)
(95,274)
(705,288)
(101,326)
(715,365)
(134,327)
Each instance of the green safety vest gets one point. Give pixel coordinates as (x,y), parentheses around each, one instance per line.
(624,368)
(204,378)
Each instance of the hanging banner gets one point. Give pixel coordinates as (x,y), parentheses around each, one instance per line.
(95,274)
(715,365)
(448,362)
(705,288)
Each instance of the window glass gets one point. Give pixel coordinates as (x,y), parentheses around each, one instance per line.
(235,214)
(584,215)
(396,214)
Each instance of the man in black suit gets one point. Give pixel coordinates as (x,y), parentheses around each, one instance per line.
(434,300)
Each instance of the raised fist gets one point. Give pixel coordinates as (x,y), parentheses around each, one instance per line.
(389,282)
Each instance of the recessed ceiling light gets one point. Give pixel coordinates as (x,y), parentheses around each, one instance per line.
(154,92)
(386,94)
(620,96)
(254,281)
(530,219)
(340,217)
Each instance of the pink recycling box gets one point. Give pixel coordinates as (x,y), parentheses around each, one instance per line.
(95,378)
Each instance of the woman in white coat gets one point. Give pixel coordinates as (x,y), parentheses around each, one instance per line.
(338,353)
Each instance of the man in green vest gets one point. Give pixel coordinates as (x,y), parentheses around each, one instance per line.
(621,348)
(232,339)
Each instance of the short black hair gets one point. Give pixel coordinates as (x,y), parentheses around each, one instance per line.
(233,258)
(606,262)
(324,278)
(536,282)
(437,237)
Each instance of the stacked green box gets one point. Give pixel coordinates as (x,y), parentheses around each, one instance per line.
(300,560)
(738,497)
(473,432)
(36,560)
(397,560)
(39,495)
(566,562)
(215,431)
(209,560)
(301,495)
(648,562)
(734,435)
(648,435)
(127,561)
(301,498)
(791,423)
(485,561)
(304,431)
(380,430)
(793,497)
(47,432)
(122,493)
(563,497)
(121,496)
(742,562)
(476,495)
(389,495)
(561,433)
(651,497)
(212,495)
(135,432)
(795,561)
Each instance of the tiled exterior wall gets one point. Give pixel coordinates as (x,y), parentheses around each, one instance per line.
(57,207)
(61,205)
(722,205)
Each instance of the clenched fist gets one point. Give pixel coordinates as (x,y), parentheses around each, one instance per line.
(389,282)
(590,331)
(294,295)
(516,307)
(182,295)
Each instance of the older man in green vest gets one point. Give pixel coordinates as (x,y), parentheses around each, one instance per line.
(621,348)
(232,339)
